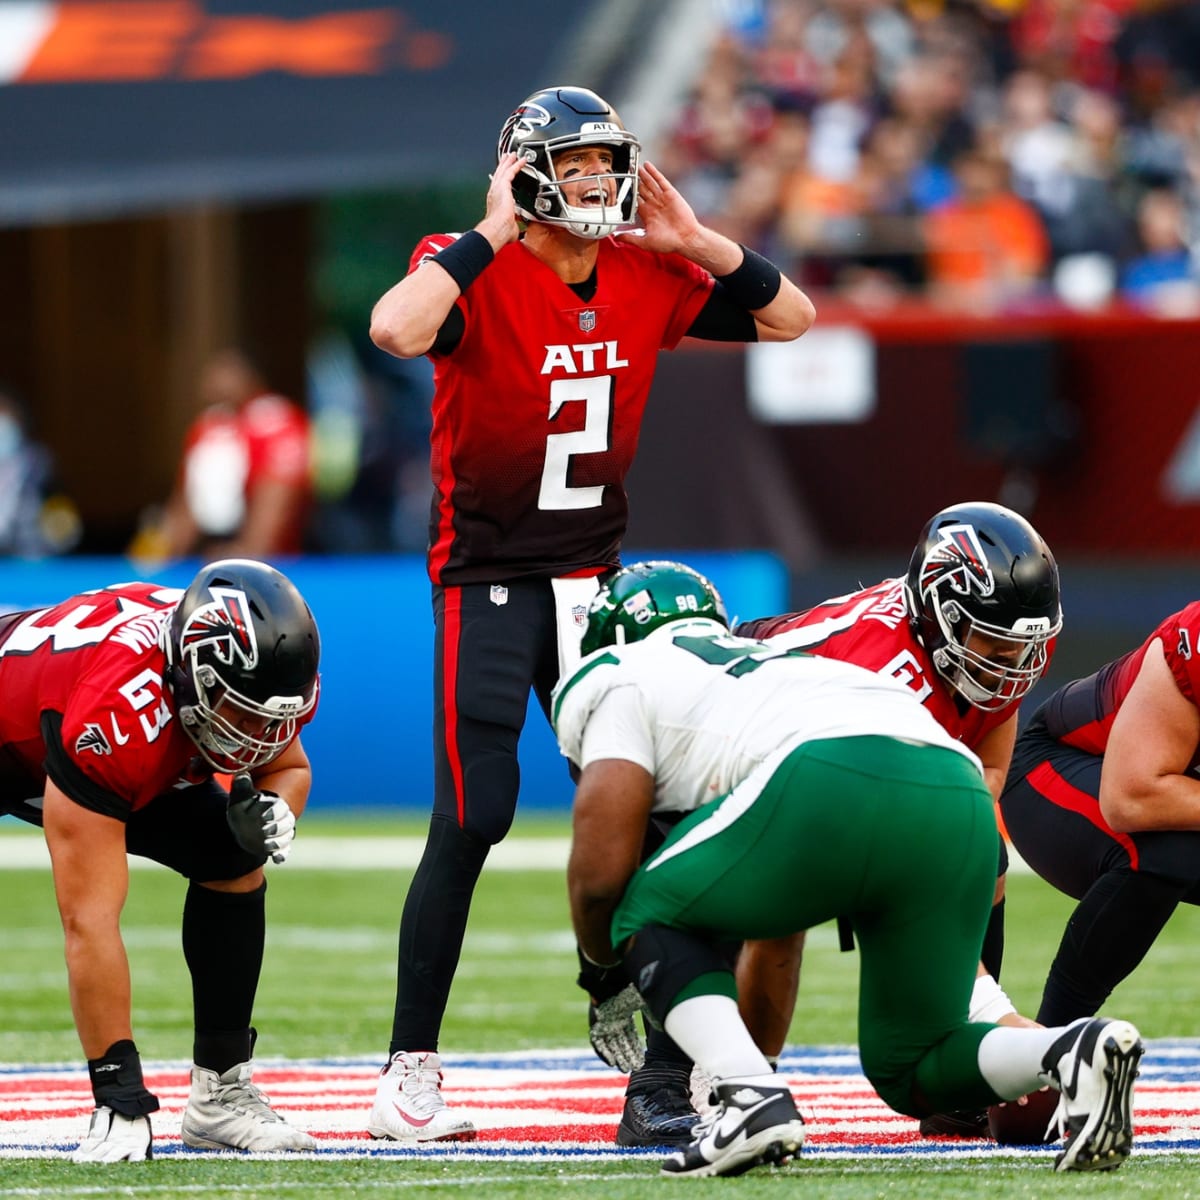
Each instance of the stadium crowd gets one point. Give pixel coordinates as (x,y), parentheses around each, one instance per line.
(988,153)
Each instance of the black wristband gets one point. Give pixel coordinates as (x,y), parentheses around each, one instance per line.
(601,983)
(117,1081)
(465,258)
(754,284)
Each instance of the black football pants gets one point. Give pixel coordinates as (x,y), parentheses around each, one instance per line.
(493,644)
(1127,884)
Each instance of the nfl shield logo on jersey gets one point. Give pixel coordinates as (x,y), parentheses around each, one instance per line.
(579,614)
(499,594)
(587,320)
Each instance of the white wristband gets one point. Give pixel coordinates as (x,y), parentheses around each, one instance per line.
(988,1001)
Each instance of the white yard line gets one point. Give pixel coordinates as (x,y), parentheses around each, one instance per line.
(23,851)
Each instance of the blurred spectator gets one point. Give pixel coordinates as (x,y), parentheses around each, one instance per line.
(244,483)
(987,247)
(36,518)
(1163,277)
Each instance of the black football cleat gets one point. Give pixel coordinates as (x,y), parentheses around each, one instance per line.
(658,1109)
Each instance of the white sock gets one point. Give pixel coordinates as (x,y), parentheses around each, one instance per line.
(1010,1059)
(711,1032)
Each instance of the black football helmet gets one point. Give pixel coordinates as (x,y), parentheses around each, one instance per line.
(983,598)
(556,119)
(645,596)
(242,653)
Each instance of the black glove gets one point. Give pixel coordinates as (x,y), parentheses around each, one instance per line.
(117,1081)
(261,822)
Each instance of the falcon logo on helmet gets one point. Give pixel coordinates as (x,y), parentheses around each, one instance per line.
(959,561)
(225,625)
(526,119)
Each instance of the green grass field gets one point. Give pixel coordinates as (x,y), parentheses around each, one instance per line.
(327,990)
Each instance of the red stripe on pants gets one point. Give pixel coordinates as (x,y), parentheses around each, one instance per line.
(1046,781)
(451,633)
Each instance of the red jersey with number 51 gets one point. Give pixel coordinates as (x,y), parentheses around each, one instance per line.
(871,628)
(536,412)
(84,700)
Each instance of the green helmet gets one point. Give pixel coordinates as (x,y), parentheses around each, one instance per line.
(643,597)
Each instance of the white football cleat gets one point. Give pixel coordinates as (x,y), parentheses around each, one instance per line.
(1093,1065)
(408,1102)
(227,1112)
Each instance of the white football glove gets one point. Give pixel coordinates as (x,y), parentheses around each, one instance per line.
(612,1031)
(113,1137)
(261,822)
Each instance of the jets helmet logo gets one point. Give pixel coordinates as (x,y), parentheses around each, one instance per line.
(959,561)
(224,624)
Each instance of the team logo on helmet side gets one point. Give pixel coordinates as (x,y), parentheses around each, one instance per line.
(223,623)
(959,561)
(524,121)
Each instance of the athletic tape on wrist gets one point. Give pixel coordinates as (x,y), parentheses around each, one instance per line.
(466,258)
(755,283)
(988,1001)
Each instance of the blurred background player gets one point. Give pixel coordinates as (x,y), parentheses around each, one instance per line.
(121,704)
(244,486)
(810,788)
(545,343)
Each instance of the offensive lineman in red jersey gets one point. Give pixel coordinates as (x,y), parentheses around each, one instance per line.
(970,629)
(1103,802)
(544,345)
(120,705)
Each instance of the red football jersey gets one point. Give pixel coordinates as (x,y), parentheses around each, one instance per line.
(85,702)
(536,412)
(871,628)
(1082,712)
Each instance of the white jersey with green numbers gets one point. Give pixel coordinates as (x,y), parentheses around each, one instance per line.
(699,709)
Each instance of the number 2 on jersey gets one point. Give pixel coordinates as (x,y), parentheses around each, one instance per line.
(596,393)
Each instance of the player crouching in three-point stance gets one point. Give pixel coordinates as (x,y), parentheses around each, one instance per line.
(119,707)
(810,787)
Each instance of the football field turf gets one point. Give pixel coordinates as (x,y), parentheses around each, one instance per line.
(516,1047)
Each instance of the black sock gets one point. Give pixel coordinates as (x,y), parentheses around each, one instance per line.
(223,936)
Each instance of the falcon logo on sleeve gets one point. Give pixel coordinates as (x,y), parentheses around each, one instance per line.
(92,738)
(959,561)
(224,624)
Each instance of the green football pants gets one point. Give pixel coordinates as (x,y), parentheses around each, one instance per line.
(898,837)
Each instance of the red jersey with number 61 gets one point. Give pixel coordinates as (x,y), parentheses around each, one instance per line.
(871,628)
(85,703)
(536,412)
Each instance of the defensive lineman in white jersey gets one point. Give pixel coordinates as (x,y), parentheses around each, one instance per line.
(809,789)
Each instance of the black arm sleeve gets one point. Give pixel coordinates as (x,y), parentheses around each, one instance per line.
(450,333)
(71,780)
(722,320)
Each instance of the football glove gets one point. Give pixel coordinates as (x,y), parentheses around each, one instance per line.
(114,1137)
(261,822)
(614,1004)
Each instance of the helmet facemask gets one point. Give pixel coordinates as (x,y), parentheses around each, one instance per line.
(233,732)
(1013,662)
(546,201)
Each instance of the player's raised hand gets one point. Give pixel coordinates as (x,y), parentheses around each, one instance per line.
(668,224)
(499,224)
